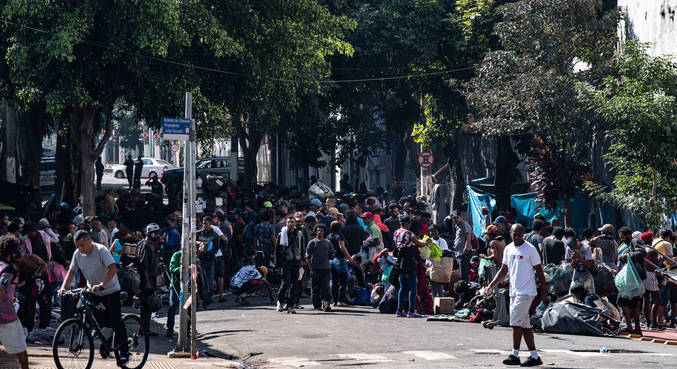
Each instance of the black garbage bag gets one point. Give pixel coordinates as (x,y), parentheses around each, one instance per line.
(569,318)
(604,280)
(129,279)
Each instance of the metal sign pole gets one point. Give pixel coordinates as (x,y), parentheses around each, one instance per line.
(182,343)
(193,241)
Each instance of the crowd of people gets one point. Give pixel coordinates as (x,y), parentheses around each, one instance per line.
(345,249)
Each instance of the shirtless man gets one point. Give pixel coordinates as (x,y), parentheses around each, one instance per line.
(495,251)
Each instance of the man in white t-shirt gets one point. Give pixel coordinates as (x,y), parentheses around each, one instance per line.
(521,260)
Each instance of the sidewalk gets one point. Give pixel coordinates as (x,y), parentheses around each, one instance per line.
(41,357)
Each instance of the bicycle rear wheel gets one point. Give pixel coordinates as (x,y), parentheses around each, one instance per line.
(138,343)
(73,346)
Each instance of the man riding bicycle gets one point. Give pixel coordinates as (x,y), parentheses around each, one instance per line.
(97,265)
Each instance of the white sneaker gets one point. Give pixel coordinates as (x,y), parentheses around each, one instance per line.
(279,307)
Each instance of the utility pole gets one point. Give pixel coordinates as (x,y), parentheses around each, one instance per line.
(188,260)
(193,240)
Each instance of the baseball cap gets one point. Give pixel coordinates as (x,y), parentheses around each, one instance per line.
(500,219)
(43,223)
(316,202)
(404,218)
(647,237)
(607,228)
(367,214)
(267,204)
(455,213)
(491,229)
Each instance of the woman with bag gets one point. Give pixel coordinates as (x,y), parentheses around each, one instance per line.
(629,280)
(407,258)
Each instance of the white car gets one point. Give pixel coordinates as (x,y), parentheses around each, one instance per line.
(151,166)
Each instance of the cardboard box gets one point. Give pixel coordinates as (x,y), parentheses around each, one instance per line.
(444,305)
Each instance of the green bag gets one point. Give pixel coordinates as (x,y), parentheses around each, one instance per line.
(432,251)
(628,283)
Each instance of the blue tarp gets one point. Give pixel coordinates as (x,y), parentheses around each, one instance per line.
(526,206)
(475,202)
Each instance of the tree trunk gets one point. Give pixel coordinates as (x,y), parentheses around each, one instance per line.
(250,141)
(83,128)
(399,160)
(506,162)
(31,130)
(64,187)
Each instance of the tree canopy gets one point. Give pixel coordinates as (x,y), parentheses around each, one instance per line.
(527,87)
(639,104)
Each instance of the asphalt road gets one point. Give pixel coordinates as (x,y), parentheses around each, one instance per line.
(260,337)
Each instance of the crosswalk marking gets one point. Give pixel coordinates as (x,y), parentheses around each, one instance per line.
(430,355)
(297,362)
(366,357)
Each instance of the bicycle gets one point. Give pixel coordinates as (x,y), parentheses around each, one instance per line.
(73,345)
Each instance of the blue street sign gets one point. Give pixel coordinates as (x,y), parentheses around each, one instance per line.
(176,128)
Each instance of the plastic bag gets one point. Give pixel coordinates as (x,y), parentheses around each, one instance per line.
(559,278)
(604,280)
(484,263)
(628,282)
(430,252)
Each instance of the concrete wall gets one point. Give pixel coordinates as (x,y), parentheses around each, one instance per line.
(652,21)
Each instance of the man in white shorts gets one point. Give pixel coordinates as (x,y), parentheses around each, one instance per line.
(521,260)
(11,332)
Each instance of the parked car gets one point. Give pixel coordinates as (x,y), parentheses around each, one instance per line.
(47,174)
(214,165)
(151,166)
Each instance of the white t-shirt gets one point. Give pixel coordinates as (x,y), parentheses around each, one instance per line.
(442,243)
(521,261)
(218,232)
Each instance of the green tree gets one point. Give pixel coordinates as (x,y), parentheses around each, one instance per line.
(125,125)
(395,38)
(639,104)
(82,57)
(279,54)
(527,87)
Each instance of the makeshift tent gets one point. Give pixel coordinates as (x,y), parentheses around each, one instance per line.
(475,202)
(526,206)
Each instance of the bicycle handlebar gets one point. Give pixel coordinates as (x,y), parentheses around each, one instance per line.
(79,291)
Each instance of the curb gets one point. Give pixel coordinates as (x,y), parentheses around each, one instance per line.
(648,339)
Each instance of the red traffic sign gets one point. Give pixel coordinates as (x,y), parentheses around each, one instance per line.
(144,135)
(425,159)
(156,136)
(175,148)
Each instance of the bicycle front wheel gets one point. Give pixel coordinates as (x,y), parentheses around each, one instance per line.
(138,343)
(73,346)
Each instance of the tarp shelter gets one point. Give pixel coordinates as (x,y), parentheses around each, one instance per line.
(526,207)
(475,202)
